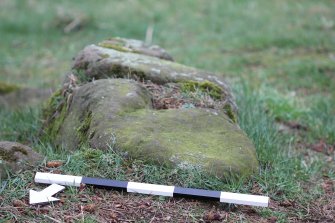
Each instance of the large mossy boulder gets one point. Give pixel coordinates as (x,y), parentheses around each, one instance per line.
(15,157)
(152,109)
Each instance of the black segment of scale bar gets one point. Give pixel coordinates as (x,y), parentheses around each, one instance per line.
(105,183)
(196,193)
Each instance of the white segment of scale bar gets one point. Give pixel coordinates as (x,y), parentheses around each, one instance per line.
(245,199)
(66,180)
(152,189)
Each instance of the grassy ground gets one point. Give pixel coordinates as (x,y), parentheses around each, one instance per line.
(280,57)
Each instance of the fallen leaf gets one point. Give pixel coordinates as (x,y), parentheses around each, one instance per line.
(18,203)
(212,216)
(90,208)
(295,125)
(43,211)
(323,147)
(328,186)
(320,146)
(167,218)
(57,172)
(54,164)
(82,187)
(113,215)
(286,203)
(272,219)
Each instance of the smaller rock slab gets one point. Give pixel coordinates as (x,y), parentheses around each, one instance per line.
(15,157)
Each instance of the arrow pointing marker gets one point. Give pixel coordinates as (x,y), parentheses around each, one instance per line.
(45,195)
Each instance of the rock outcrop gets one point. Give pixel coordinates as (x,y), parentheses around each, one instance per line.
(15,157)
(150,108)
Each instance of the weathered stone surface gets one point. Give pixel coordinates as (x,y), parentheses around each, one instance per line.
(118,113)
(14,97)
(15,157)
(152,109)
(95,62)
(136,46)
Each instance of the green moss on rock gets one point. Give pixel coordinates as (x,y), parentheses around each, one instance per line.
(104,55)
(83,129)
(230,113)
(114,46)
(8,155)
(54,112)
(187,138)
(210,88)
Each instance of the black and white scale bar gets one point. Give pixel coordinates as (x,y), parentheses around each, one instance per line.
(153,189)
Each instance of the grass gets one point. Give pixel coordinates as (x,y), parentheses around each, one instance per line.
(280,62)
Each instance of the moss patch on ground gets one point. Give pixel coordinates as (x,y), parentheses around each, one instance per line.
(6,88)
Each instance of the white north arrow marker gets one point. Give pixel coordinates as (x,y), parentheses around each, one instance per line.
(45,195)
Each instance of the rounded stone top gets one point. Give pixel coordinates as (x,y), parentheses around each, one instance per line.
(136,46)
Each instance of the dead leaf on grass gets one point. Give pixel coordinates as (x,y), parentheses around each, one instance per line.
(286,203)
(54,164)
(167,218)
(89,208)
(57,172)
(256,189)
(328,186)
(323,147)
(18,203)
(43,211)
(213,216)
(295,125)
(272,219)
(82,187)
(118,205)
